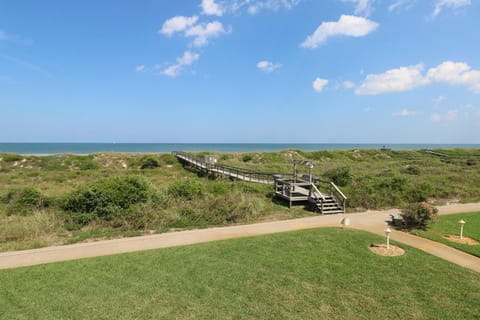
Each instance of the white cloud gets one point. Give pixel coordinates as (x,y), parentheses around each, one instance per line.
(253,7)
(319,84)
(452,4)
(140,68)
(436,117)
(456,73)
(268,66)
(394,80)
(408,78)
(367,109)
(187,59)
(363,7)
(203,32)
(177,24)
(348,84)
(209,7)
(398,5)
(404,113)
(346,25)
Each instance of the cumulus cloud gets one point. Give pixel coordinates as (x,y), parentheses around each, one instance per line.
(346,25)
(210,7)
(394,80)
(319,84)
(436,117)
(177,24)
(203,32)
(457,73)
(404,113)
(408,78)
(452,4)
(187,59)
(268,66)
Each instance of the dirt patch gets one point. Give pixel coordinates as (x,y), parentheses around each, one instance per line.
(464,240)
(381,250)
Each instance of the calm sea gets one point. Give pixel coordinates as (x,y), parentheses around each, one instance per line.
(88,148)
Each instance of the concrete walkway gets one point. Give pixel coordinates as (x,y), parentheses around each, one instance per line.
(372,221)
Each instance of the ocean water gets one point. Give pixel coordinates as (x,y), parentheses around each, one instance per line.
(88,148)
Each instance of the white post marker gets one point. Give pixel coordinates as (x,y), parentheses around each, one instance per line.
(387,233)
(345,222)
(462,223)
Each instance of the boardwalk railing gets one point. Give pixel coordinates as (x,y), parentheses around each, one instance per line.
(233,172)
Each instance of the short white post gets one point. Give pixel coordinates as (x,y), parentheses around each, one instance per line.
(345,222)
(387,233)
(462,223)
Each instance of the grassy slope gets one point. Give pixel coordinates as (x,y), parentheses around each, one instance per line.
(449,225)
(313,274)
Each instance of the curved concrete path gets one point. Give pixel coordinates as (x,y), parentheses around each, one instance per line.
(372,221)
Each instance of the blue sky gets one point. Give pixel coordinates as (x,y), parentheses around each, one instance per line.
(333,71)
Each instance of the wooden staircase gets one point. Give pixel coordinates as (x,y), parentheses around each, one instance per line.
(327,205)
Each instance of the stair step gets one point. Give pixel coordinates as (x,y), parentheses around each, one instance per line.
(333,211)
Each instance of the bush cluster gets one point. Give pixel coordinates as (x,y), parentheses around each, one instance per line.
(106,199)
(341,176)
(419,215)
(24,201)
(149,162)
(186,189)
(11,157)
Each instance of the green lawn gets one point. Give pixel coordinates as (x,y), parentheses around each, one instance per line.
(325,273)
(449,225)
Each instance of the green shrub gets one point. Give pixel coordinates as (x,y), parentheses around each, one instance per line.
(419,215)
(411,170)
(247,158)
(106,199)
(11,157)
(24,201)
(168,159)
(85,162)
(149,162)
(341,176)
(419,192)
(318,155)
(187,189)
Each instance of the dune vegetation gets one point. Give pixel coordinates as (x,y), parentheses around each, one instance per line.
(59,199)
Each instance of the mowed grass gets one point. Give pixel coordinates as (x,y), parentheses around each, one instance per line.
(325,273)
(449,225)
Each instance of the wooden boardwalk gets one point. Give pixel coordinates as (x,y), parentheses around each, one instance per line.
(287,187)
(232,172)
